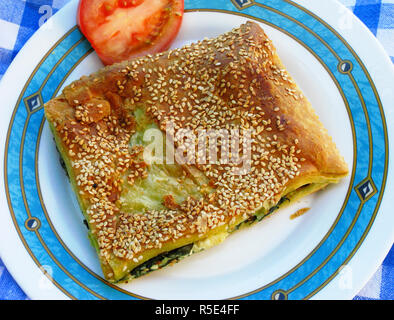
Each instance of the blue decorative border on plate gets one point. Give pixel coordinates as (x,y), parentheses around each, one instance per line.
(310,275)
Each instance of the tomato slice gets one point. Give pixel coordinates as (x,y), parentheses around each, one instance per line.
(124,29)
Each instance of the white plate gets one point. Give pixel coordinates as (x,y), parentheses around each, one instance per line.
(328,253)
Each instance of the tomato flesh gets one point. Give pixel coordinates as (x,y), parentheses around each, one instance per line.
(123,29)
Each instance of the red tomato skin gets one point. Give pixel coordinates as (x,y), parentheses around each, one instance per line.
(160,44)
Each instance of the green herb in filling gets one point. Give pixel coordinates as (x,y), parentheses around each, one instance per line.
(260,215)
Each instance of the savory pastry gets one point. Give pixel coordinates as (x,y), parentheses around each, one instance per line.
(143,215)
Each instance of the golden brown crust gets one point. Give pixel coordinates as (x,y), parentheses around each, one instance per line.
(233,81)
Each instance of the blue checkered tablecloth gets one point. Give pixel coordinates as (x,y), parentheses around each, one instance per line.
(19,19)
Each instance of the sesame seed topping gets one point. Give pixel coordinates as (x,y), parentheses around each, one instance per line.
(216,84)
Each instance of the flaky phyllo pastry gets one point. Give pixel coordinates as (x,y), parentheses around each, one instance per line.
(143,215)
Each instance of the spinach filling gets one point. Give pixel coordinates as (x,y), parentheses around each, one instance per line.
(280,202)
(61,160)
(161,260)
